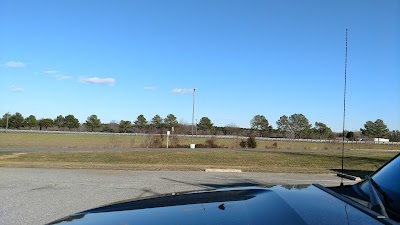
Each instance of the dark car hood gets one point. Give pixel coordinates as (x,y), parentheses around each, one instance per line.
(253,205)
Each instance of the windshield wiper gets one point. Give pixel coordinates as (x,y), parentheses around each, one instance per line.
(375,202)
(386,197)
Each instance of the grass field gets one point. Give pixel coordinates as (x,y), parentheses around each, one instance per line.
(356,163)
(33,140)
(315,162)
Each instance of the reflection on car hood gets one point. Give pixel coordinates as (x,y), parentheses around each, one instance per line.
(253,205)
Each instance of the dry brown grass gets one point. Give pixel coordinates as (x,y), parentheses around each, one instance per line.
(194,160)
(32,140)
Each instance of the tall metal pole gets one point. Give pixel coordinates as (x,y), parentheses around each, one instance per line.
(8,114)
(344,107)
(191,141)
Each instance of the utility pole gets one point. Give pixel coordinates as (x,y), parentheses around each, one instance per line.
(191,140)
(344,108)
(8,114)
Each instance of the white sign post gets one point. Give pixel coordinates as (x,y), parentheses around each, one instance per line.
(168,133)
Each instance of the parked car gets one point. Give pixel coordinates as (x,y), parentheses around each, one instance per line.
(375,200)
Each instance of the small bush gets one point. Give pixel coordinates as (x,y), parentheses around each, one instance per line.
(175,142)
(242,144)
(154,141)
(210,143)
(251,142)
(275,145)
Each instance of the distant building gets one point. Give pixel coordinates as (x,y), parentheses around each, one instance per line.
(381,140)
(376,140)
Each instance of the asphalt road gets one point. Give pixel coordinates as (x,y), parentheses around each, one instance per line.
(208,149)
(38,196)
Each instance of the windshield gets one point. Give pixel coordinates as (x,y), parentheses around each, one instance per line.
(387,181)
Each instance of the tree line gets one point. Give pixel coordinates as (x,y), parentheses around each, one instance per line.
(92,123)
(295,126)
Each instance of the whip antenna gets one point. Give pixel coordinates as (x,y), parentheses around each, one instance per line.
(344,108)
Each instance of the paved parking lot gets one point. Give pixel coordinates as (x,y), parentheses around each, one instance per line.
(38,196)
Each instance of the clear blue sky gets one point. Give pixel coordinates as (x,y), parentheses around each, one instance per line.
(119,59)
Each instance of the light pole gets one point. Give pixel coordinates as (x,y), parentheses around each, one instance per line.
(191,140)
(8,114)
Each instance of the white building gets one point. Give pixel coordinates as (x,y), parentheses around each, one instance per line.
(381,140)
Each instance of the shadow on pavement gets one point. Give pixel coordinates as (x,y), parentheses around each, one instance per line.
(357,173)
(231,185)
(237,183)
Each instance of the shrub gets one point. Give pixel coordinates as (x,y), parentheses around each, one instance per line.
(251,142)
(210,143)
(242,144)
(154,141)
(175,142)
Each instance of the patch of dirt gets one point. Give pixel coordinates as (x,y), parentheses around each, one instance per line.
(13,155)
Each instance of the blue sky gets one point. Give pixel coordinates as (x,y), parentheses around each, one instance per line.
(118,59)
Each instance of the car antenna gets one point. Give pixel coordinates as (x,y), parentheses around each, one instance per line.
(344,109)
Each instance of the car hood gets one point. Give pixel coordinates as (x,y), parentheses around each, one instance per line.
(307,204)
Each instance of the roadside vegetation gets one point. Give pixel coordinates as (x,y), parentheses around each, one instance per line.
(295,126)
(243,150)
(185,160)
(92,141)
